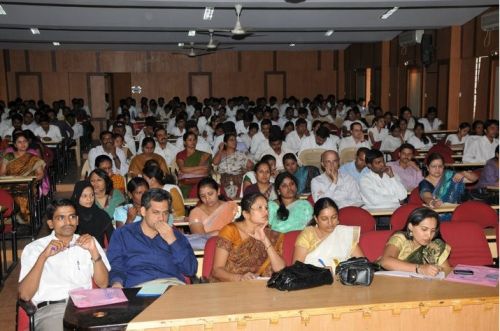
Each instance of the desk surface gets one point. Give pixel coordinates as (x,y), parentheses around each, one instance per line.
(16,179)
(219,303)
(465,165)
(446,208)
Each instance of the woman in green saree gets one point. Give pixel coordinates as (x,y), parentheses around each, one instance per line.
(193,165)
(418,247)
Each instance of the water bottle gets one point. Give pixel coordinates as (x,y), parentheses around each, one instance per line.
(231,190)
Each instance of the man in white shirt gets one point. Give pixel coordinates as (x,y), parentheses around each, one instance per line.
(340,187)
(48,131)
(380,188)
(320,139)
(431,122)
(54,265)
(17,124)
(120,128)
(276,149)
(357,168)
(108,148)
(482,149)
(29,123)
(167,150)
(77,127)
(356,139)
(294,138)
(260,137)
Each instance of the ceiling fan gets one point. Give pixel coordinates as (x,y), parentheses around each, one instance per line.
(193,50)
(238,32)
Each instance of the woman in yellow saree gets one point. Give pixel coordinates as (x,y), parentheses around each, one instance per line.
(21,163)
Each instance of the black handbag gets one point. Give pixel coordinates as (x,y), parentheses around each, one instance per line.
(300,276)
(356,271)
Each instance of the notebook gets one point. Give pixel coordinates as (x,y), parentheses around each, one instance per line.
(482,275)
(97,297)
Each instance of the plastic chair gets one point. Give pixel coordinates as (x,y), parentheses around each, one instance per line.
(414,197)
(372,243)
(311,157)
(476,212)
(442,149)
(400,216)
(289,246)
(208,257)
(7,202)
(358,217)
(347,155)
(25,315)
(468,243)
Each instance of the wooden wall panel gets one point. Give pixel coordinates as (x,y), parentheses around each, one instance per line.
(393,90)
(297,61)
(442,94)
(162,84)
(482,90)
(11,85)
(256,61)
(220,62)
(276,87)
(230,84)
(402,88)
(327,60)
(55,87)
(468,39)
(201,85)
(172,63)
(444,42)
(307,83)
(17,59)
(29,86)
(40,61)
(114,61)
(341,90)
(467,89)
(76,61)
(3,79)
(77,85)
(431,81)
(366,56)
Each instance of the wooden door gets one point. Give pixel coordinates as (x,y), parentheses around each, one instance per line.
(29,86)
(275,85)
(200,85)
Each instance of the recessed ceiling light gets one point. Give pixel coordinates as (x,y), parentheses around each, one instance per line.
(56,43)
(292,45)
(328,33)
(192,33)
(2,11)
(35,31)
(209,12)
(180,44)
(388,13)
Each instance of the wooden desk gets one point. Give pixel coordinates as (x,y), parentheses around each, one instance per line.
(388,304)
(491,238)
(465,165)
(446,208)
(492,188)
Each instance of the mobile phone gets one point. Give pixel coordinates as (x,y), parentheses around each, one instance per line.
(463,272)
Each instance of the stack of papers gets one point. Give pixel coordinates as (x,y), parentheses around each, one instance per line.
(405,274)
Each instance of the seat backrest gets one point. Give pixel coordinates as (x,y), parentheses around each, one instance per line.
(415,198)
(85,169)
(468,243)
(357,216)
(347,155)
(7,202)
(372,243)
(477,212)
(311,157)
(400,216)
(289,246)
(208,257)
(442,149)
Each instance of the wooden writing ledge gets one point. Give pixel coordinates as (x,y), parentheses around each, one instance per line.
(387,304)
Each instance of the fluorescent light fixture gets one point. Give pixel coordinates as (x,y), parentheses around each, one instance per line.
(56,43)
(2,11)
(388,13)
(328,33)
(180,44)
(292,45)
(35,31)
(192,33)
(209,12)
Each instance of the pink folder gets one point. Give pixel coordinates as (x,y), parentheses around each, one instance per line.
(482,275)
(97,297)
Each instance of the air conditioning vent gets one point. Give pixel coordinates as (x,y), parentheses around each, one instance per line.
(410,38)
(489,22)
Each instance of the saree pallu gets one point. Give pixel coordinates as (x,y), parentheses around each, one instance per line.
(25,165)
(247,255)
(188,182)
(446,190)
(436,252)
(232,168)
(222,216)
(304,176)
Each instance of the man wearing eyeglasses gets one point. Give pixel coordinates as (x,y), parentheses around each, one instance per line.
(54,265)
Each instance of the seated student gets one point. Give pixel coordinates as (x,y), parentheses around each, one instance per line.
(294,139)
(443,185)
(357,168)
(157,179)
(393,140)
(212,214)
(263,182)
(406,114)
(246,248)
(106,197)
(201,144)
(288,212)
(104,162)
(249,178)
(405,132)
(303,174)
(355,140)
(380,188)
(130,213)
(482,149)
(108,148)
(163,148)
(136,249)
(275,147)
(54,265)
(405,168)
(431,122)
(320,138)
(137,163)
(419,247)
(332,183)
(91,219)
(489,175)
(325,243)
(458,139)
(378,132)
(47,131)
(419,140)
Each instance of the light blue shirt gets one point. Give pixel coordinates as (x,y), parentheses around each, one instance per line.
(121,212)
(350,169)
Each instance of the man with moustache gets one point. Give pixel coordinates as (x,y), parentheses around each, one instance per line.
(405,168)
(108,148)
(54,265)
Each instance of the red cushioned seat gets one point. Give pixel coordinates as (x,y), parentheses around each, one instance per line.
(289,246)
(400,216)
(357,216)
(468,243)
(372,243)
(476,212)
